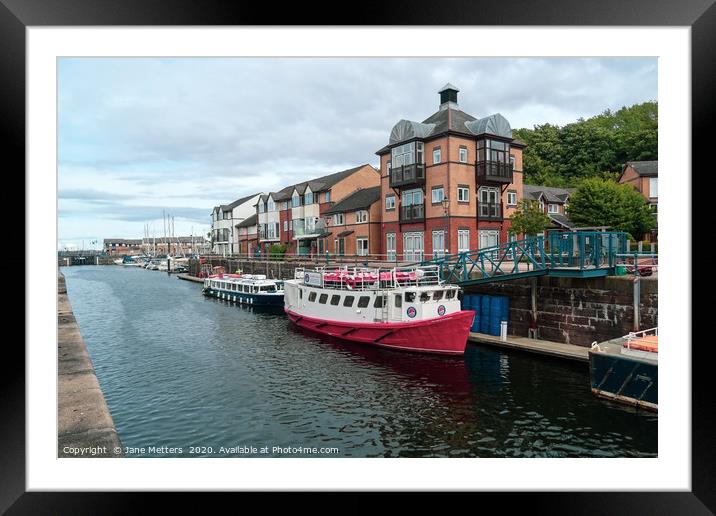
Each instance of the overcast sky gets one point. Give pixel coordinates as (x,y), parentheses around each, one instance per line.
(138,136)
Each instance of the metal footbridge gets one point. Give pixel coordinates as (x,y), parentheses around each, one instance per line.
(581,254)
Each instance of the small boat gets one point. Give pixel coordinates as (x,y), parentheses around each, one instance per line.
(130,261)
(408,309)
(248,289)
(626,369)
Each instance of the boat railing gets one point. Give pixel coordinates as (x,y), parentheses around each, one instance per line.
(634,335)
(367,278)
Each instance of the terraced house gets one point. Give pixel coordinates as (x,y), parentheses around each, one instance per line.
(553,202)
(448,183)
(294,215)
(223,223)
(352,226)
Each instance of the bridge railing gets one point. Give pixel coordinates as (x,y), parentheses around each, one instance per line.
(579,250)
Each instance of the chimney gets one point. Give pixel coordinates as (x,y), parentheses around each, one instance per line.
(448,96)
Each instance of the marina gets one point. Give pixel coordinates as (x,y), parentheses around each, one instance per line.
(211,373)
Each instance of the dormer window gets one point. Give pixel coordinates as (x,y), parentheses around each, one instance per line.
(309,197)
(270,205)
(295,200)
(552,208)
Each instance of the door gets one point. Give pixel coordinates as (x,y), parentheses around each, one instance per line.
(413,247)
(489,238)
(390,246)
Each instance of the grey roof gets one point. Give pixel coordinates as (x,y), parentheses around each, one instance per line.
(345,233)
(319,184)
(248,221)
(448,86)
(323,234)
(494,124)
(551,193)
(237,202)
(197,239)
(358,200)
(127,241)
(644,168)
(561,220)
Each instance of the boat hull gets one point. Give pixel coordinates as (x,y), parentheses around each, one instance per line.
(624,379)
(443,335)
(246,299)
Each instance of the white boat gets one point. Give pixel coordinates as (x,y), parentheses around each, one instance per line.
(407,308)
(249,289)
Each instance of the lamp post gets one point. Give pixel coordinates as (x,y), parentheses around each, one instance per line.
(446,204)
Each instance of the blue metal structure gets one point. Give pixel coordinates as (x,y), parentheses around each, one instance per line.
(572,253)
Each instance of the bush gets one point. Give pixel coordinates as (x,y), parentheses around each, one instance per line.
(277,251)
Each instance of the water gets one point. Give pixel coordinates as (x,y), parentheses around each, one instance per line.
(183,371)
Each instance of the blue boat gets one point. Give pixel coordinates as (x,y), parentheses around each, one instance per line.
(245,289)
(627,369)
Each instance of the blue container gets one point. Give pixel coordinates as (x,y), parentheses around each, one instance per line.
(499,311)
(476,303)
(466,302)
(485,311)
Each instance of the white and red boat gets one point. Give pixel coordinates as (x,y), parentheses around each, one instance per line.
(408,309)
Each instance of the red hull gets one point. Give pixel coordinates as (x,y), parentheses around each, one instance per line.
(445,335)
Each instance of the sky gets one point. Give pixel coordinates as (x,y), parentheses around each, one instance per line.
(142,136)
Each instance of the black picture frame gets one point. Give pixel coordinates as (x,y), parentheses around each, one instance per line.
(17,15)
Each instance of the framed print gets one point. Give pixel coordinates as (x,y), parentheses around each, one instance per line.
(422,257)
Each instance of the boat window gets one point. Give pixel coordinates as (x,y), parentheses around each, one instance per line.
(449,294)
(312,297)
(256,289)
(363,301)
(398,300)
(348,301)
(378,303)
(300,293)
(410,297)
(323,299)
(335,300)
(425,297)
(437,295)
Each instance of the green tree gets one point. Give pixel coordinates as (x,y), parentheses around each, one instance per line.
(528,219)
(603,202)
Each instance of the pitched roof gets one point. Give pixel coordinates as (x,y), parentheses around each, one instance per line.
(644,168)
(360,199)
(551,194)
(561,220)
(318,184)
(248,221)
(237,202)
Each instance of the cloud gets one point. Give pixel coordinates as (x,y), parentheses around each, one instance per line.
(187,134)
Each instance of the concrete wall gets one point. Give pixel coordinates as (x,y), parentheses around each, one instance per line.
(577,311)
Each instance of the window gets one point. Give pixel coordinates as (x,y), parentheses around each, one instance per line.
(437,295)
(312,297)
(262,207)
(323,299)
(398,301)
(449,294)
(335,300)
(424,297)
(348,301)
(552,208)
(419,152)
(463,193)
(387,167)
(463,154)
(361,216)
(403,154)
(512,160)
(411,197)
(390,246)
(290,224)
(338,219)
(362,246)
(363,301)
(390,202)
(436,156)
(285,225)
(328,196)
(410,297)
(309,198)
(654,187)
(378,303)
(438,243)
(463,240)
(270,205)
(295,200)
(438,194)
(511,198)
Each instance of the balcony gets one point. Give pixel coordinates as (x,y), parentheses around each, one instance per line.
(493,172)
(412,213)
(407,175)
(489,211)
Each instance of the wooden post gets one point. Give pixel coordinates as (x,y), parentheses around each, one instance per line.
(637,297)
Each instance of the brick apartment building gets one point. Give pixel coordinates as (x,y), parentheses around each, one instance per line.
(553,202)
(294,216)
(644,176)
(448,183)
(247,235)
(122,246)
(352,225)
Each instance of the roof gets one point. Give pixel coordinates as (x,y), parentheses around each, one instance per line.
(448,86)
(248,221)
(324,234)
(644,168)
(237,202)
(551,194)
(345,233)
(128,241)
(319,184)
(197,239)
(360,199)
(561,220)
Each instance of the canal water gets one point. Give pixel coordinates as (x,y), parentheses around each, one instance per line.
(185,375)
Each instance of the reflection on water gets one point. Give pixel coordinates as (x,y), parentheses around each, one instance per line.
(181,370)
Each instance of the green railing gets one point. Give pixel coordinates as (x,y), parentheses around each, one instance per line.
(576,251)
